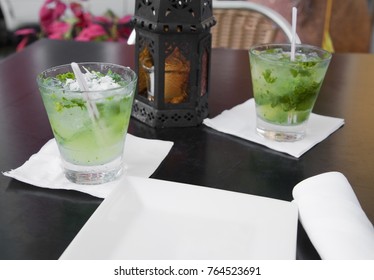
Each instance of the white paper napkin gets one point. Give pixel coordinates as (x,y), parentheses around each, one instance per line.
(333,218)
(240,121)
(43,169)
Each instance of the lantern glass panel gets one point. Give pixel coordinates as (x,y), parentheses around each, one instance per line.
(204,73)
(146,67)
(177,73)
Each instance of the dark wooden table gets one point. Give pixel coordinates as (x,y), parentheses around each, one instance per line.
(39,223)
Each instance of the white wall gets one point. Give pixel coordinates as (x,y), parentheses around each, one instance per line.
(119,7)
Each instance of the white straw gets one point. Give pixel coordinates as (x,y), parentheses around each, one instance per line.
(91,106)
(293,43)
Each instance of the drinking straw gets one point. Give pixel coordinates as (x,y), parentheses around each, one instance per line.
(91,106)
(293,42)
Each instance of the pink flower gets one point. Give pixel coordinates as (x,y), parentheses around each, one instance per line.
(77,9)
(58,29)
(92,32)
(76,23)
(51,11)
(22,44)
(102,20)
(25,32)
(84,18)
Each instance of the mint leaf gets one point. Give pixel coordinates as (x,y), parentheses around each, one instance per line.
(66,103)
(267,76)
(63,77)
(116,77)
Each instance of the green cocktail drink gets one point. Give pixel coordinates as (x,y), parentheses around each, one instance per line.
(91,146)
(285,91)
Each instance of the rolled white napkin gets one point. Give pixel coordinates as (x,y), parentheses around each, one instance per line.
(240,121)
(333,218)
(43,169)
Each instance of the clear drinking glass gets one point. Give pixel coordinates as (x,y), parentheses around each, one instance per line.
(285,91)
(91,145)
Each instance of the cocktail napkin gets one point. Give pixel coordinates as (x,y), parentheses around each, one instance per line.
(333,218)
(240,121)
(43,169)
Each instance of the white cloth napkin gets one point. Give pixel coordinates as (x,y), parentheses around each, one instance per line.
(240,121)
(43,169)
(333,218)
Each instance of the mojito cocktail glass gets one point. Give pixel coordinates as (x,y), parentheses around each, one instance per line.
(285,91)
(91,145)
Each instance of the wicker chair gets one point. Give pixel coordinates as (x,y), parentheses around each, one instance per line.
(241,24)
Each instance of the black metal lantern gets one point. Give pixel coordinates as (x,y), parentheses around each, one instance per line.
(173,47)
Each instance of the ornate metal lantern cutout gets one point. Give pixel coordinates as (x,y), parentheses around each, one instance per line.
(173,47)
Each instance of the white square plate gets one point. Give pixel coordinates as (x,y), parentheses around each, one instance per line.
(161,220)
